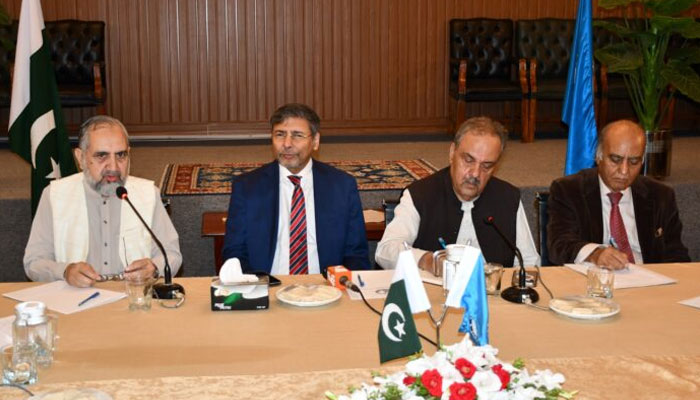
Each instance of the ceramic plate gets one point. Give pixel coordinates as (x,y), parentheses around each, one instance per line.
(308,295)
(584,307)
(73,394)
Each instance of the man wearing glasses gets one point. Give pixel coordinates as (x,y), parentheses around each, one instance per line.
(295,215)
(611,216)
(81,229)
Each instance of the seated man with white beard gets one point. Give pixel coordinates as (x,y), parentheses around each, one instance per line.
(81,229)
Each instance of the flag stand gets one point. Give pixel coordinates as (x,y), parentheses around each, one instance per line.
(438,323)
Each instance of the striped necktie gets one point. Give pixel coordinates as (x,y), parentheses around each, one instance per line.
(298,259)
(617,226)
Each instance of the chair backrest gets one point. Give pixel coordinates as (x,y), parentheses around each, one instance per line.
(548,40)
(75,46)
(8,33)
(541,199)
(389,205)
(487,46)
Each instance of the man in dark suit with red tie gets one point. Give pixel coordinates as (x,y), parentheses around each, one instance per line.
(610,215)
(295,215)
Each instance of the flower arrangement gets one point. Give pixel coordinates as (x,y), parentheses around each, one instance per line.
(461,372)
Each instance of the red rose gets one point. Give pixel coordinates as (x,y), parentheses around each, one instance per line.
(462,391)
(465,368)
(408,380)
(432,380)
(502,374)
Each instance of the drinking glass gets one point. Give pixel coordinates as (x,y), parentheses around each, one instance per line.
(600,281)
(18,364)
(493,273)
(139,291)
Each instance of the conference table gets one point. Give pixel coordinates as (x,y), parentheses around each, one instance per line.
(651,349)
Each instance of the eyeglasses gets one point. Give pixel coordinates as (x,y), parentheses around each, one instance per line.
(296,136)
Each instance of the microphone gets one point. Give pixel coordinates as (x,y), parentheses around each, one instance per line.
(163,291)
(345,281)
(520,293)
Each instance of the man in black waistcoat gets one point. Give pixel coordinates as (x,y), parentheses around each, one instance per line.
(453,204)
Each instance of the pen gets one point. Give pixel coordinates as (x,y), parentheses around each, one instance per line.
(613,244)
(92,296)
(359,279)
(442,242)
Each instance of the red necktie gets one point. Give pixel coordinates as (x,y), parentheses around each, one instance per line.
(617,226)
(298,259)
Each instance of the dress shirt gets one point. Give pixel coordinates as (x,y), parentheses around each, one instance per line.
(626,206)
(280,263)
(103,224)
(404,228)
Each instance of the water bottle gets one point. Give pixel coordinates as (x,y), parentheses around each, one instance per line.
(35,329)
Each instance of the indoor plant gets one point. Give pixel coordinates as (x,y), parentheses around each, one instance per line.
(652,68)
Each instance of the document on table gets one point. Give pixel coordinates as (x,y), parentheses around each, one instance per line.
(6,330)
(60,296)
(375,284)
(694,302)
(635,276)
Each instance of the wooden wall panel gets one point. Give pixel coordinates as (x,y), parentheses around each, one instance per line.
(182,67)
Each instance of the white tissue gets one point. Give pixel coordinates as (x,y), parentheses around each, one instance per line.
(231,272)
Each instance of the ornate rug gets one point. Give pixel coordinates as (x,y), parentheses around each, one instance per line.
(193,179)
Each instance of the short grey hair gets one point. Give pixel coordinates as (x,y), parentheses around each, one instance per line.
(95,122)
(482,126)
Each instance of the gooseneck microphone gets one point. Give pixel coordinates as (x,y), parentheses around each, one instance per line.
(520,293)
(163,291)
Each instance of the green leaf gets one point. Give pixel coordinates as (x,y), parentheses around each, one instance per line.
(620,57)
(608,4)
(664,24)
(618,29)
(683,78)
(692,31)
(684,55)
(670,7)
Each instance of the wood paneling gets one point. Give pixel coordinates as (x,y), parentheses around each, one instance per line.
(222,66)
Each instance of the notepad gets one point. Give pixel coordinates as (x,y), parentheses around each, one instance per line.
(634,276)
(61,297)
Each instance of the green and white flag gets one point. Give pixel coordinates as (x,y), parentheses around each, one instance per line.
(398,336)
(37,131)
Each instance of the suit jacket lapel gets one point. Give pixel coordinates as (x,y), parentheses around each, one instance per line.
(322,205)
(270,193)
(643,212)
(591,190)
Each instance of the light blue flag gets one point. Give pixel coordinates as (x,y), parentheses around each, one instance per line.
(578,112)
(468,291)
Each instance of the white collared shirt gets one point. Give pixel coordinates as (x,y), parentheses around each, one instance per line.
(626,206)
(280,262)
(404,228)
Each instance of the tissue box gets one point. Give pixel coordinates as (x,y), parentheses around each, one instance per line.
(241,296)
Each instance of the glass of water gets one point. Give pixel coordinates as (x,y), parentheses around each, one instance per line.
(18,364)
(601,282)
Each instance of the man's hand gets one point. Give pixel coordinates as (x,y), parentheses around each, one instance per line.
(80,274)
(608,257)
(143,268)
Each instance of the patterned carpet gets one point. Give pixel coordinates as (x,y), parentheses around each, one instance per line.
(194,179)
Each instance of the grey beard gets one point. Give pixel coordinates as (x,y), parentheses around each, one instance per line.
(104,189)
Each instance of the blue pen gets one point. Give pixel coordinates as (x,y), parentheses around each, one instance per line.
(92,296)
(359,279)
(442,242)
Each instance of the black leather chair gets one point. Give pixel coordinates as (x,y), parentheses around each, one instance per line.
(541,199)
(546,45)
(77,51)
(7,57)
(481,65)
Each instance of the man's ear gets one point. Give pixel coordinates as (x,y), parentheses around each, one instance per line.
(78,154)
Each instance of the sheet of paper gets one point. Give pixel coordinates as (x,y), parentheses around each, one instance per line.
(634,276)
(694,302)
(6,330)
(375,284)
(61,297)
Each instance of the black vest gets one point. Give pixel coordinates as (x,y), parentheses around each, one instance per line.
(441,214)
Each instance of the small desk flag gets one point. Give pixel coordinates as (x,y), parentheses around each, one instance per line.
(468,291)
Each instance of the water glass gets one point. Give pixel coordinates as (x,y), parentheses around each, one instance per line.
(493,273)
(18,364)
(600,281)
(139,290)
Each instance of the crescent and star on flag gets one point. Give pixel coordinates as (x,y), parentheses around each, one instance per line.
(390,309)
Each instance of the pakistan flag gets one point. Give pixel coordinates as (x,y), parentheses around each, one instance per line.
(37,131)
(398,336)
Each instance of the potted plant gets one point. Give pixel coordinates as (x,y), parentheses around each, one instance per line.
(653,70)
